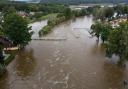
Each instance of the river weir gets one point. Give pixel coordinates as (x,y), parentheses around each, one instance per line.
(75,63)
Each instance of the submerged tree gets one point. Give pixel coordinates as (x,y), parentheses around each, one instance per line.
(96,29)
(106,28)
(118,42)
(101,29)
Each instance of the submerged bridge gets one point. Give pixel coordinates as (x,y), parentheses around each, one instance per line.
(81,28)
(50,39)
(63,38)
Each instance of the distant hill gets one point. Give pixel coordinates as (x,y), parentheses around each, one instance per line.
(3,0)
(75,1)
(83,1)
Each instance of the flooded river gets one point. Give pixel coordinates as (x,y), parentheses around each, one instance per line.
(75,63)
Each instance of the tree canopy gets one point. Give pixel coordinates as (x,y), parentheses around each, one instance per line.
(16,28)
(101,29)
(118,42)
(103,13)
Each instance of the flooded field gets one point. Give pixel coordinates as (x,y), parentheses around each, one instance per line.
(77,62)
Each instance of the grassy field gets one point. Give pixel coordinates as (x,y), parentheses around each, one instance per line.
(49,16)
(9,58)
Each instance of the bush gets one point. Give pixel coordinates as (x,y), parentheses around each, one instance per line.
(46,29)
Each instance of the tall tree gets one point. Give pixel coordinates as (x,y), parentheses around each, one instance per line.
(106,28)
(101,29)
(103,13)
(7,10)
(67,13)
(16,28)
(96,29)
(99,13)
(118,42)
(109,12)
(124,28)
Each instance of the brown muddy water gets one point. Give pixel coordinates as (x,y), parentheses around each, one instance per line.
(75,63)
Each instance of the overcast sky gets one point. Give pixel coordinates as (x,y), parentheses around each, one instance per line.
(22,0)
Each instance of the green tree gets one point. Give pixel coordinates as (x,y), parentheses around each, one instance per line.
(99,13)
(1,32)
(7,10)
(115,46)
(67,13)
(83,12)
(106,28)
(124,28)
(101,29)
(118,42)
(15,27)
(96,29)
(126,11)
(103,13)
(121,10)
(109,12)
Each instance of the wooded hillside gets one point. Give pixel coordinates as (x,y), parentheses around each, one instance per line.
(83,1)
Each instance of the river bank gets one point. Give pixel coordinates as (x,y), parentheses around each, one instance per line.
(7,60)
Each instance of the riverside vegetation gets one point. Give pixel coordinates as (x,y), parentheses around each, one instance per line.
(115,37)
(15,32)
(61,17)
